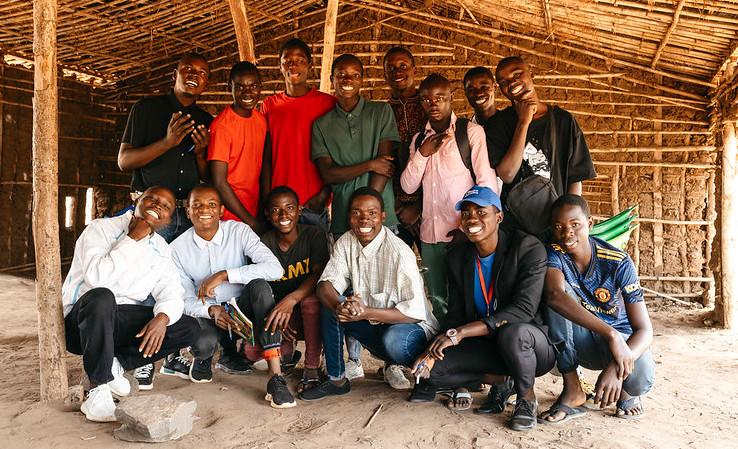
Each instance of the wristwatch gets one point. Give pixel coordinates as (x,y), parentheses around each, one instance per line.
(452,333)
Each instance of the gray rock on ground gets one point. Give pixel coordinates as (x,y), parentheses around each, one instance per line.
(154,418)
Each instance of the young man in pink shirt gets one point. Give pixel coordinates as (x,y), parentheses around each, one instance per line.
(437,163)
(290,116)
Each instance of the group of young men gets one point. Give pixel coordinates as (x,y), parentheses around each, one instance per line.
(232,213)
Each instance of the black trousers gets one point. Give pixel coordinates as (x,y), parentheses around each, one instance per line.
(98,329)
(519,350)
(256,302)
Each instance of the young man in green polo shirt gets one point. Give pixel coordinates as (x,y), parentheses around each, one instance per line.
(353,145)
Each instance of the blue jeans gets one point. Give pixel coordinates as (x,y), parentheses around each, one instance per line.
(308,216)
(179,224)
(579,346)
(398,344)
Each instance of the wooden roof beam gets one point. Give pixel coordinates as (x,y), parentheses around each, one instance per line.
(669,32)
(548,19)
(732,58)
(246,48)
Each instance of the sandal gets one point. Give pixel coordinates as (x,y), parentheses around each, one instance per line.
(497,398)
(456,396)
(569,413)
(628,405)
(307,383)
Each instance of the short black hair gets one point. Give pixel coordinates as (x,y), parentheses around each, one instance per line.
(432,80)
(504,62)
(347,57)
(193,55)
(479,70)
(281,190)
(297,43)
(402,50)
(204,186)
(366,191)
(570,199)
(243,68)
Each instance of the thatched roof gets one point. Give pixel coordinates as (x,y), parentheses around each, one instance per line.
(687,40)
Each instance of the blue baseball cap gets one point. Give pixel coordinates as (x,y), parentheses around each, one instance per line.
(481,196)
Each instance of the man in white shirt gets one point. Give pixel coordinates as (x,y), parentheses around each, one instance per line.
(219,260)
(118,262)
(388,312)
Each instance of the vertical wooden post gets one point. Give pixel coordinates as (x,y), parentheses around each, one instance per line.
(51,342)
(615,191)
(244,38)
(658,210)
(729,221)
(708,299)
(329,44)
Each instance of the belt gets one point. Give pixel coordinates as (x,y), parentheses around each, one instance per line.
(180,204)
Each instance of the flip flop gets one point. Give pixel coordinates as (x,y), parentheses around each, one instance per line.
(627,405)
(455,396)
(307,383)
(569,413)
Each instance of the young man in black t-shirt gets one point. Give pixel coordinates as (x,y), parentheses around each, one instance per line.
(303,252)
(520,142)
(166,139)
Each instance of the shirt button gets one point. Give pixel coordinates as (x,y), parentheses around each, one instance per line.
(181,171)
(179,189)
(181,154)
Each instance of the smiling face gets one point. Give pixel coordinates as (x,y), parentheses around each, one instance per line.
(155,207)
(204,209)
(399,71)
(480,92)
(294,65)
(515,80)
(436,101)
(479,223)
(245,90)
(571,228)
(283,212)
(366,218)
(347,79)
(191,77)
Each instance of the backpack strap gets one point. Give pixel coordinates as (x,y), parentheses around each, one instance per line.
(462,141)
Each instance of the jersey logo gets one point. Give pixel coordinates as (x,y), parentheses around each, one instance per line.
(558,248)
(630,288)
(602,295)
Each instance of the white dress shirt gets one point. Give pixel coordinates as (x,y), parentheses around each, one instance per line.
(104,256)
(384,274)
(234,248)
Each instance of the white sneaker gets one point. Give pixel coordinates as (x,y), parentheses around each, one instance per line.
(119,386)
(354,369)
(99,405)
(395,377)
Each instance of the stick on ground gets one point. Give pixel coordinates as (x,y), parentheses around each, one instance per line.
(374,415)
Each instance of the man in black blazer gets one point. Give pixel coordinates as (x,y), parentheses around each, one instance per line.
(493,327)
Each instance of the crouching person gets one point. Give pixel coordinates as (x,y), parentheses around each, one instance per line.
(597,317)
(219,260)
(494,331)
(118,262)
(388,312)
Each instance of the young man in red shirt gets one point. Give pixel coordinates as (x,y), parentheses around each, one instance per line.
(290,116)
(238,138)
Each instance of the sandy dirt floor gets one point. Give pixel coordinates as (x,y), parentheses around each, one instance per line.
(691,405)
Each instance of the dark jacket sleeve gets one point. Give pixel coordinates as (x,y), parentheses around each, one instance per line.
(455,315)
(523,301)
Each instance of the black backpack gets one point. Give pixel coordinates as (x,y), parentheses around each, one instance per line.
(462,141)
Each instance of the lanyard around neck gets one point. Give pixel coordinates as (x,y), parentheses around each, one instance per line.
(487,294)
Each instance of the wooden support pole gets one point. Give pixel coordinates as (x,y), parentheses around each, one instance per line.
(669,32)
(729,221)
(658,228)
(51,341)
(329,43)
(246,48)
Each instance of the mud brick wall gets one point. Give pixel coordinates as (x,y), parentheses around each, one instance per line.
(84,135)
(619,110)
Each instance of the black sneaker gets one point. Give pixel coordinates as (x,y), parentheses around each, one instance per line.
(524,416)
(234,364)
(144,375)
(176,366)
(201,371)
(327,388)
(497,398)
(278,394)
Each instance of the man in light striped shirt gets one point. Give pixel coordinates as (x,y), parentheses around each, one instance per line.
(388,312)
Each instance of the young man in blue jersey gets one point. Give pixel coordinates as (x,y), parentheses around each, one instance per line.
(597,317)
